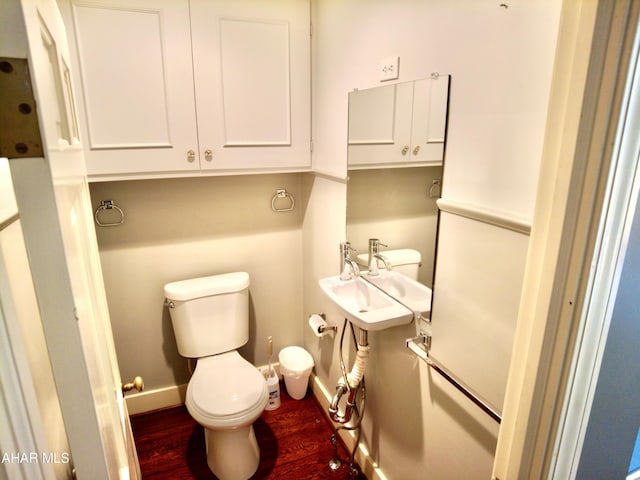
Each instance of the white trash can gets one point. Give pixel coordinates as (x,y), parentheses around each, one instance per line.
(295,365)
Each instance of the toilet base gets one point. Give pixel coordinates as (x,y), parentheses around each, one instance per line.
(232,454)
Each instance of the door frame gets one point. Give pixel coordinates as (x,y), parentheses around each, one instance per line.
(96,449)
(593,58)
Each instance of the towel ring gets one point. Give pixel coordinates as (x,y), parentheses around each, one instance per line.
(108,205)
(282,194)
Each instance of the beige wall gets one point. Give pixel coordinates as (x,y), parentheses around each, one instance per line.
(183,228)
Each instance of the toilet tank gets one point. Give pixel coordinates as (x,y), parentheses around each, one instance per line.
(210,315)
(404,260)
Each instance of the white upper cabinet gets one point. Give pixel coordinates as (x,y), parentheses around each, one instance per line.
(172,87)
(251,63)
(402,124)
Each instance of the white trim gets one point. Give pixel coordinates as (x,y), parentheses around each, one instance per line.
(367,464)
(19,417)
(156,399)
(22,431)
(613,236)
(522,424)
(481,214)
(590,65)
(326,174)
(110,177)
(163,397)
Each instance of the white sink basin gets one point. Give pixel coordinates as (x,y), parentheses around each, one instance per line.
(412,294)
(364,305)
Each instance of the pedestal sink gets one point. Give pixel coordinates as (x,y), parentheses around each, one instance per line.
(364,305)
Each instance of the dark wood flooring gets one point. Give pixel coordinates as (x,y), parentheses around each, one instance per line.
(294,443)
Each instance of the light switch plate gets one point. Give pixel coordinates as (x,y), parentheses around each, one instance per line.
(389,68)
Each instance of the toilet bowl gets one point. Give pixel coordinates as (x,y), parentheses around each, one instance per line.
(226,393)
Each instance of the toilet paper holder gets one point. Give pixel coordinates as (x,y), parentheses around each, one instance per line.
(324,327)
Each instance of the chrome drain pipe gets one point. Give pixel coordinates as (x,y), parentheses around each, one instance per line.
(334,410)
(351,384)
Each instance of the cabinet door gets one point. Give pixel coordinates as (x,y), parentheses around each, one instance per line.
(252,83)
(430,101)
(380,125)
(135,71)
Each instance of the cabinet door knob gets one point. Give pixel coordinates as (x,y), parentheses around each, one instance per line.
(416,150)
(405,149)
(191,155)
(208,155)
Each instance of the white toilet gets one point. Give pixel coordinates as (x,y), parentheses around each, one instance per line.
(226,393)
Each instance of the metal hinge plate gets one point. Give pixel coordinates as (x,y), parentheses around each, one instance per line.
(19,128)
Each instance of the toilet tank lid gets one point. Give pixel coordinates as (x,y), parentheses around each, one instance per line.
(206,286)
(401,256)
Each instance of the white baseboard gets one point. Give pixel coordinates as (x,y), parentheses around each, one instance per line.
(368,466)
(148,400)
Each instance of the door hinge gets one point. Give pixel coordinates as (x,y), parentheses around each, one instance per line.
(20,132)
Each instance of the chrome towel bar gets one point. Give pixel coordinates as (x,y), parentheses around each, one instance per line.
(420,346)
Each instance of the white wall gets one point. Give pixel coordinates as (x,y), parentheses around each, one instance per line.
(183,228)
(500,61)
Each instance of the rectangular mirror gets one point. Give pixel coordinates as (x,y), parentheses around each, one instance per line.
(396,148)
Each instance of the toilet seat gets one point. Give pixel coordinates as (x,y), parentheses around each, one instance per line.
(226,391)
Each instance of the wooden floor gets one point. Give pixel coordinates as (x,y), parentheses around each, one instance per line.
(294,443)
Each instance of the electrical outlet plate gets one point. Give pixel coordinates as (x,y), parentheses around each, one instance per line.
(389,68)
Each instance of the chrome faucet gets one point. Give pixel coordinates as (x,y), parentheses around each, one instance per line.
(348,267)
(375,255)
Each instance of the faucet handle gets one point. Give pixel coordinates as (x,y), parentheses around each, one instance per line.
(346,248)
(376,241)
(346,263)
(374,244)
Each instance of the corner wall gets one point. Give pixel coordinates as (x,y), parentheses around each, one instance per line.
(500,60)
(184,228)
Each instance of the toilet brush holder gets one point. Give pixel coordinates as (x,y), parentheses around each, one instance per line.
(273,382)
(273,385)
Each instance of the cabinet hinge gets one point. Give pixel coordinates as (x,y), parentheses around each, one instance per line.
(311,146)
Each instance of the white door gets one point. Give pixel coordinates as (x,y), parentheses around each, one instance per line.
(54,207)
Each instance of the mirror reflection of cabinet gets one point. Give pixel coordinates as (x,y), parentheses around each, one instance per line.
(402,124)
(397,205)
